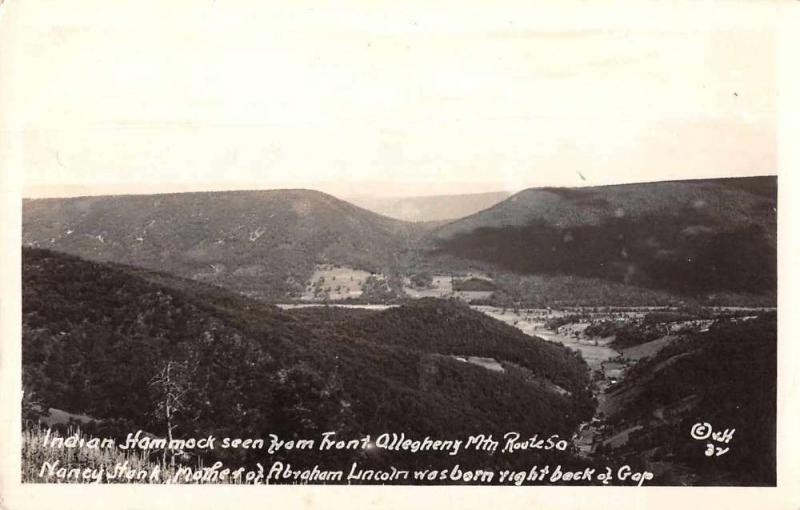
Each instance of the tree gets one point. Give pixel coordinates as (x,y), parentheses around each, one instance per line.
(170,384)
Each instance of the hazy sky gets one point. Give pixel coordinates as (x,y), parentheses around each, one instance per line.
(384,98)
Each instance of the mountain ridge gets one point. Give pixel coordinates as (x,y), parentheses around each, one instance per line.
(260,242)
(690,237)
(765,185)
(712,233)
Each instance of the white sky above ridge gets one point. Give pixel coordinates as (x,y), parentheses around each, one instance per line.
(380,99)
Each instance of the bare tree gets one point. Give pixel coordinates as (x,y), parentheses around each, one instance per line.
(170,385)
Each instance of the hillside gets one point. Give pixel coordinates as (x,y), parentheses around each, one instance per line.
(451,327)
(95,336)
(430,208)
(687,237)
(262,243)
(725,377)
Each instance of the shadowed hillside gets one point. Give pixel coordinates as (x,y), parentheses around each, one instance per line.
(725,377)
(96,336)
(687,237)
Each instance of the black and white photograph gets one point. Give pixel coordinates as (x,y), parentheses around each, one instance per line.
(385,244)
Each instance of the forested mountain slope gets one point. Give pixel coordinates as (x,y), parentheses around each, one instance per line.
(727,378)
(686,237)
(96,335)
(263,243)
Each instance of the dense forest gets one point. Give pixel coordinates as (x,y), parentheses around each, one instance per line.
(670,253)
(97,337)
(688,238)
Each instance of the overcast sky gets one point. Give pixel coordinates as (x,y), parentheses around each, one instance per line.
(376,98)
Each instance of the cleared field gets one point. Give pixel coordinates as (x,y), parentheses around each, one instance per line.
(442,286)
(293,306)
(595,353)
(473,295)
(531,322)
(335,283)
